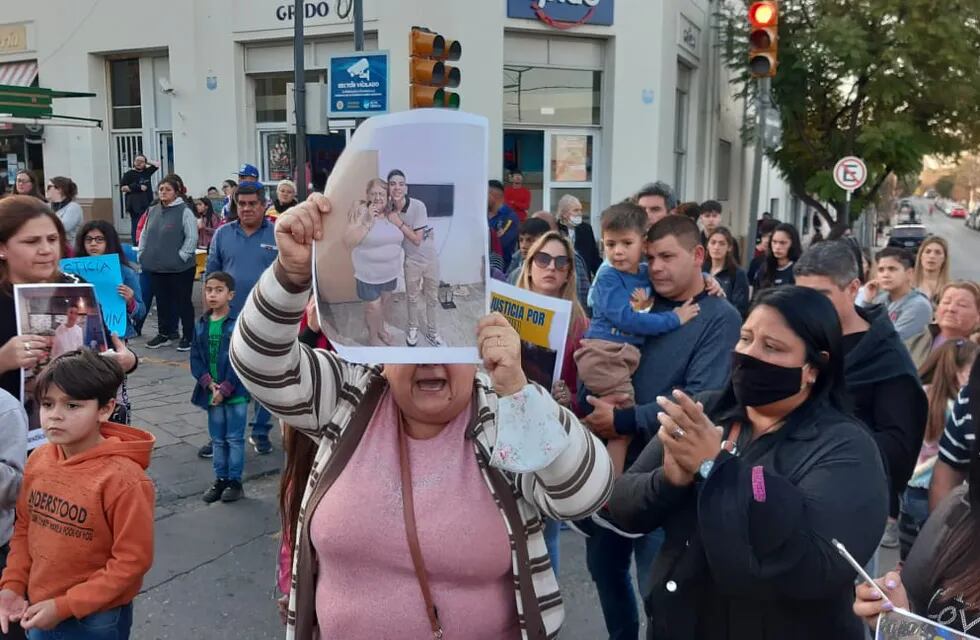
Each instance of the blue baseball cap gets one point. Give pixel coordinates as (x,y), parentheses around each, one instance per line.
(248,170)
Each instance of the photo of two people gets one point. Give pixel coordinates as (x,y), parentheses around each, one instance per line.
(400,274)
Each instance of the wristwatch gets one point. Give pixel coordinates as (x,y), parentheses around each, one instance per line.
(705,469)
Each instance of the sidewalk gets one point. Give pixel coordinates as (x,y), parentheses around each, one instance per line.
(160,393)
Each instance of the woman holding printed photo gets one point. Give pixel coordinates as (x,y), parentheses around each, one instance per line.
(31,238)
(375,240)
(421,261)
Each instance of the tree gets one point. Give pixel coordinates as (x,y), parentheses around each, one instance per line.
(889,81)
(944,186)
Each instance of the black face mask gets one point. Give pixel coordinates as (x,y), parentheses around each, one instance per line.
(757,383)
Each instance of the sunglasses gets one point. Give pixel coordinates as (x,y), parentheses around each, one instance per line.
(544,260)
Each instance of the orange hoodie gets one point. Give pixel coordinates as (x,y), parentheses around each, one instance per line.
(84,528)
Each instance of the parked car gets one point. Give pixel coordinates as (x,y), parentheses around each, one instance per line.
(907,236)
(957,211)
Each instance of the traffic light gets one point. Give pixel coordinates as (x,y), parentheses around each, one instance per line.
(763,38)
(428,72)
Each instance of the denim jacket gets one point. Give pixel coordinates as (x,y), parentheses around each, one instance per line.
(228,383)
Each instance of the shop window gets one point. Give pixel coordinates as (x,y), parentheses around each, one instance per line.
(540,95)
(278,155)
(124,78)
(270,95)
(724,170)
(682,108)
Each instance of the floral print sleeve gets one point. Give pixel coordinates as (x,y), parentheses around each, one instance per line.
(530,434)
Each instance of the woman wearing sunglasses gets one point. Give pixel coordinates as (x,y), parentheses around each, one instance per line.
(547,270)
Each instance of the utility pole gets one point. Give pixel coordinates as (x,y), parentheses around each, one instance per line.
(762,104)
(358,25)
(299,93)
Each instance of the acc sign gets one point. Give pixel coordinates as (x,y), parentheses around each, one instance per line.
(850,173)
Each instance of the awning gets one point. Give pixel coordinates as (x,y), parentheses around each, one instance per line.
(18,74)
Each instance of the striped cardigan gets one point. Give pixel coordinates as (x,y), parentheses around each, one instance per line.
(333,401)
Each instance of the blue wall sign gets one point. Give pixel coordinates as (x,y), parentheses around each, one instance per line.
(569,12)
(358,84)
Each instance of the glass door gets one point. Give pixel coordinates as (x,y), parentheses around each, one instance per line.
(554,162)
(569,156)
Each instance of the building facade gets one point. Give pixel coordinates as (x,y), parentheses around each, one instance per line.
(633,94)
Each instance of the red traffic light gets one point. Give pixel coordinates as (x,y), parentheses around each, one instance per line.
(763,14)
(763,38)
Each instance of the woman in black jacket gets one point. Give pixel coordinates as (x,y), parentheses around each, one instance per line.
(749,520)
(731,277)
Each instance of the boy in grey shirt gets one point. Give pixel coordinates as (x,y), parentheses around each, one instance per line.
(909,309)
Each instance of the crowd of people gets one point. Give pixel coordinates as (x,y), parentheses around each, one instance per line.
(715,425)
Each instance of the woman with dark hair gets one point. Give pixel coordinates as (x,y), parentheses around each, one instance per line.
(166,252)
(207,222)
(750,484)
(731,277)
(31,240)
(939,577)
(229,212)
(784,250)
(25,184)
(61,194)
(98,237)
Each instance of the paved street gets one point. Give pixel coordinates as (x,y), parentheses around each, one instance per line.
(964,243)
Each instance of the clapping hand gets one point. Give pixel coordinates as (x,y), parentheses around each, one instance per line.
(688,435)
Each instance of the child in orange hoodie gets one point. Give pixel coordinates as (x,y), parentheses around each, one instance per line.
(83,537)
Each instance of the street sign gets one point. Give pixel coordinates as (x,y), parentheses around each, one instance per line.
(358,84)
(850,173)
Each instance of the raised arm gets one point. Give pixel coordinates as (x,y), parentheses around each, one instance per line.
(296,383)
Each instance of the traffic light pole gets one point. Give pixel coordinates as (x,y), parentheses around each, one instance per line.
(358,25)
(762,103)
(299,93)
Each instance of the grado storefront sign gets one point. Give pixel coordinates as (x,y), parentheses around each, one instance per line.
(563,14)
(13,38)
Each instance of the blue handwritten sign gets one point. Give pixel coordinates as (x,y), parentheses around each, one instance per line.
(104,273)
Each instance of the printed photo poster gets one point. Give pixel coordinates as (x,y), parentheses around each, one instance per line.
(569,163)
(542,322)
(401,273)
(903,625)
(68,317)
(104,273)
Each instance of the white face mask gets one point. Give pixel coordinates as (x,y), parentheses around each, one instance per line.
(575,220)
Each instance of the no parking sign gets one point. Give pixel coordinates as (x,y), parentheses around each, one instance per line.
(850,173)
